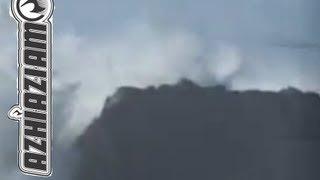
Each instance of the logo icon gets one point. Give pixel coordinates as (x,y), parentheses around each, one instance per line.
(15,113)
(32,10)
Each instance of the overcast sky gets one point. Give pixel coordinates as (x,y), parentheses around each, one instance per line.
(100,45)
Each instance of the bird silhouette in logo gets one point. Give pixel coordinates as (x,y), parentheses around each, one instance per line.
(15,113)
(18,113)
(37,8)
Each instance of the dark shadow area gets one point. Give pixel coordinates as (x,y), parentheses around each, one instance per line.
(188,132)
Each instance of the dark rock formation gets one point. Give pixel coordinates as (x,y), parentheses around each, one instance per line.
(188,132)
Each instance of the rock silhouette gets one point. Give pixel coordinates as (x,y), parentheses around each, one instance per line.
(188,132)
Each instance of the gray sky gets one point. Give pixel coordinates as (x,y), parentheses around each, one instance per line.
(101,45)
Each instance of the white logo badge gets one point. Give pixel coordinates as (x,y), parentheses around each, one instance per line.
(33,111)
